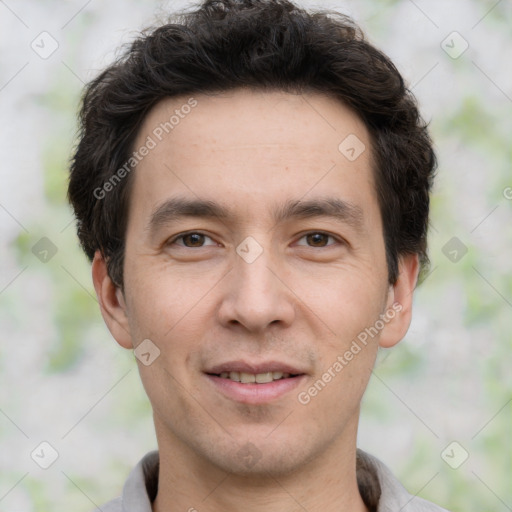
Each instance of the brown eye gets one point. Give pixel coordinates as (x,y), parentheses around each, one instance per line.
(317,239)
(193,240)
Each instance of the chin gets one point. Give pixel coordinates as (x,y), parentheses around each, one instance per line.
(260,464)
(261,458)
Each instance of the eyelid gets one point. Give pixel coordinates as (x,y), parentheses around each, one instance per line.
(180,236)
(314,232)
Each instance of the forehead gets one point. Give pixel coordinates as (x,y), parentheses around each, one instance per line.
(246,146)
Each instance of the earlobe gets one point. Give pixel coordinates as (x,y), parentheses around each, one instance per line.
(111,301)
(400,298)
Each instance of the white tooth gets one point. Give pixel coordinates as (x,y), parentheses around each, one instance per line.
(264,377)
(286,375)
(277,375)
(234,376)
(224,375)
(247,378)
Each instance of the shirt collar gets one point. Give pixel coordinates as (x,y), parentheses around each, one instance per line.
(380,490)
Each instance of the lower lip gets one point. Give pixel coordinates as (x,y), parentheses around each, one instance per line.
(255,393)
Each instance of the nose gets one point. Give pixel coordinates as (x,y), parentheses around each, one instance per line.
(256,295)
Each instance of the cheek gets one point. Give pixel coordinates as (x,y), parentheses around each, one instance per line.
(346,352)
(345,300)
(345,308)
(174,314)
(164,301)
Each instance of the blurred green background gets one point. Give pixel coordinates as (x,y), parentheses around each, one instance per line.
(65,381)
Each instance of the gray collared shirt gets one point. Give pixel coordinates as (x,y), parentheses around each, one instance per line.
(380,490)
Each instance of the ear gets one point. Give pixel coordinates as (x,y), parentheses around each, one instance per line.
(399,304)
(112,302)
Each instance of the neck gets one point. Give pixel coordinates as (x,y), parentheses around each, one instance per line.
(326,484)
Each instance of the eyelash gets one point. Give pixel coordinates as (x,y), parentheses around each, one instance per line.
(183,235)
(323,233)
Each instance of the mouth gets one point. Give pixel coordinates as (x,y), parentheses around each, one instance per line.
(254,378)
(254,383)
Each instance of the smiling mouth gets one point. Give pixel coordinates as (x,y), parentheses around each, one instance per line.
(252,378)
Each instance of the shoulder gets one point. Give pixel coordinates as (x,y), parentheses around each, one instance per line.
(115,505)
(393,496)
(139,489)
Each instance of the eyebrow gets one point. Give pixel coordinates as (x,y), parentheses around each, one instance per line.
(334,207)
(178,207)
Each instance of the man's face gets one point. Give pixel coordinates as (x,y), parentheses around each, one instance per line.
(255,245)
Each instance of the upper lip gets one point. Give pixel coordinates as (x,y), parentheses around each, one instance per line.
(254,368)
